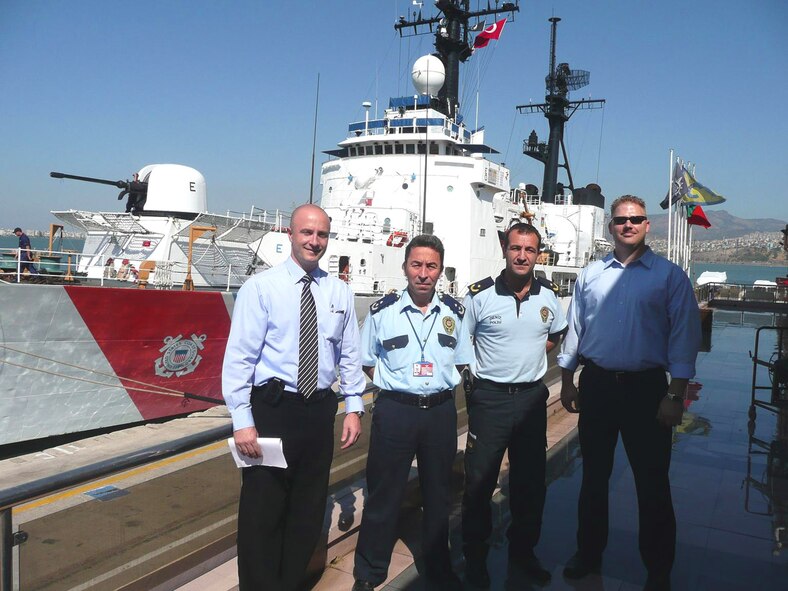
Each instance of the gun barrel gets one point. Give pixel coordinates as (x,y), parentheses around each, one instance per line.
(62,175)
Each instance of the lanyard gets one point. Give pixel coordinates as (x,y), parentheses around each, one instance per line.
(418,338)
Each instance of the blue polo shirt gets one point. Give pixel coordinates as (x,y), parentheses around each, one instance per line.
(510,335)
(394,333)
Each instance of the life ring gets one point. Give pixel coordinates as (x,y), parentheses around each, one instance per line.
(397,239)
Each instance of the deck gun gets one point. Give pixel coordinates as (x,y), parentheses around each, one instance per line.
(137,191)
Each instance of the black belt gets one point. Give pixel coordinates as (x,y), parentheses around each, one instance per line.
(621,376)
(420,400)
(510,388)
(273,392)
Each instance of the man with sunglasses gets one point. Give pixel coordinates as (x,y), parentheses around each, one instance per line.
(633,317)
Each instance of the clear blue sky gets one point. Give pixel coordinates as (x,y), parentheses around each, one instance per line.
(103,87)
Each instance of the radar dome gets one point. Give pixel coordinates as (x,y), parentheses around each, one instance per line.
(428,75)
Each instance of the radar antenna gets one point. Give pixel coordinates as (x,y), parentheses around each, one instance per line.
(451,41)
(558,109)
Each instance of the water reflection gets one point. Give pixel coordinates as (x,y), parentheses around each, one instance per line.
(766,483)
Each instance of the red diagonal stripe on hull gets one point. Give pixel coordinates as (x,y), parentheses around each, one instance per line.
(130,326)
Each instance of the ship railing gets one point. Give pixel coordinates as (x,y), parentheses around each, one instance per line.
(52,263)
(178,520)
(276,218)
(407,125)
(719,294)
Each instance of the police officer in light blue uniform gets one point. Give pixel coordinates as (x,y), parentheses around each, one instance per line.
(411,347)
(515,320)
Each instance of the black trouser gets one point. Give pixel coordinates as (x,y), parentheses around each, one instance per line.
(400,432)
(627,403)
(498,418)
(281,511)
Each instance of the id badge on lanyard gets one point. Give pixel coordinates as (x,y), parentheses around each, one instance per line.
(422,369)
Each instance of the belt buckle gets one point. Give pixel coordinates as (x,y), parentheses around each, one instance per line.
(620,375)
(424,401)
(512,389)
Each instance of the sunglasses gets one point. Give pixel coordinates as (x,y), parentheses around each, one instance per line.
(635,220)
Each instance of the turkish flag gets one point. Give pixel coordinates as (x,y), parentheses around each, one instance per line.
(492,32)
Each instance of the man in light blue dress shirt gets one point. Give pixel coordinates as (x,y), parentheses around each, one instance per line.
(413,346)
(281,511)
(633,317)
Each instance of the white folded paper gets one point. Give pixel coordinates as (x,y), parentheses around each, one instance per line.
(272,454)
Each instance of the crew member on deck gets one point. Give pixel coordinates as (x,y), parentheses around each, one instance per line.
(633,317)
(25,254)
(515,320)
(413,346)
(293,325)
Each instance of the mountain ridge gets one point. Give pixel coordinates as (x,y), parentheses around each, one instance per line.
(723,225)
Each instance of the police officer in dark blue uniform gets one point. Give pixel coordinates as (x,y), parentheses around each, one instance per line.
(413,346)
(515,320)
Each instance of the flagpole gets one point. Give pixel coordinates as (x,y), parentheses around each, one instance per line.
(670,197)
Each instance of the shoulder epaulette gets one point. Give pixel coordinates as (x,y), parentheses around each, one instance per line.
(549,285)
(453,305)
(479,286)
(383,302)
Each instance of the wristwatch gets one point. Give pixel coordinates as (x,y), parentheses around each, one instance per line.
(358,413)
(674,397)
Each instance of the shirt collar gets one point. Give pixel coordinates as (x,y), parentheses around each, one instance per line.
(646,259)
(297,273)
(405,302)
(502,289)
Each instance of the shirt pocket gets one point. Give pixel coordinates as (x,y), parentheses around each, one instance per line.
(335,327)
(445,340)
(395,352)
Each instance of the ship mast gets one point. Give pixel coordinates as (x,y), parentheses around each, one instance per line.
(451,42)
(558,109)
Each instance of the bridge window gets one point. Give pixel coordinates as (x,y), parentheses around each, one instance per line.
(422,148)
(434,148)
(378,149)
(387,149)
(399,149)
(410,149)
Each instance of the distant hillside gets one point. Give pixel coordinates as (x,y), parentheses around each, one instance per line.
(723,225)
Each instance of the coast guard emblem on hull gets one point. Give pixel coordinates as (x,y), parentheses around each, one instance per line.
(180,356)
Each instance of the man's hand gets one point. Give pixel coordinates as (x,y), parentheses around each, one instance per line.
(670,412)
(246,442)
(570,397)
(351,429)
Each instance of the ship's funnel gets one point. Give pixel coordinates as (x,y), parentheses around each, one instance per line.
(428,75)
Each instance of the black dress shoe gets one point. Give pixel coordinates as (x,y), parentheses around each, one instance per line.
(530,565)
(476,574)
(363,586)
(580,566)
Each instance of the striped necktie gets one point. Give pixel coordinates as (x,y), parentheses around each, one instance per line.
(307,341)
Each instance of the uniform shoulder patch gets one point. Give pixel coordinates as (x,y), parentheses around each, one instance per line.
(549,285)
(479,286)
(453,305)
(383,302)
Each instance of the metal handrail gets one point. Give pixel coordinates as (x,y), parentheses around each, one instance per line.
(30,491)
(36,489)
